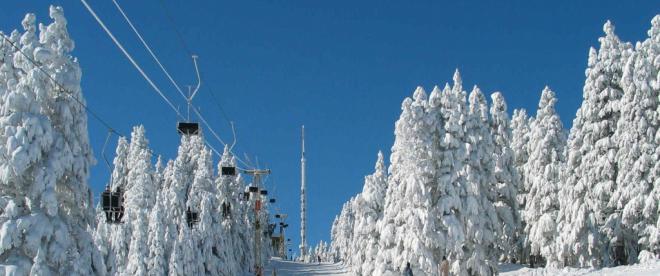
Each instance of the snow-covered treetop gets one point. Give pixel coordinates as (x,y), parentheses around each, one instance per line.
(375,184)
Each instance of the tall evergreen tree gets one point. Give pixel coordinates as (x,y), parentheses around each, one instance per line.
(113,239)
(44,165)
(592,170)
(139,199)
(480,218)
(546,144)
(409,204)
(520,131)
(634,200)
(369,209)
(506,179)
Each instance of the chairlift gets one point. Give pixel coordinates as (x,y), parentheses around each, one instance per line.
(187,128)
(191,217)
(264,192)
(190,128)
(228,171)
(254,189)
(112,202)
(113,205)
(226,210)
(272,200)
(278,216)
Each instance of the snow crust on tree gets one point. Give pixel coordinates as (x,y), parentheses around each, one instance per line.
(478,195)
(591,166)
(45,199)
(507,180)
(543,169)
(369,209)
(403,237)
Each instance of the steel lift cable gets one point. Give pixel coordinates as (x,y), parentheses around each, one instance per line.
(135,64)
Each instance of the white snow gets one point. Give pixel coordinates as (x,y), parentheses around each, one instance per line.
(291,268)
(644,269)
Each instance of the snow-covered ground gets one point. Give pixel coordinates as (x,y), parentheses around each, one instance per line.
(284,268)
(648,269)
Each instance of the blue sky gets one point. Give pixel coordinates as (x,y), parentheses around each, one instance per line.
(341,68)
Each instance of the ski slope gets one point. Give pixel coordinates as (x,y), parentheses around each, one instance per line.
(285,268)
(651,268)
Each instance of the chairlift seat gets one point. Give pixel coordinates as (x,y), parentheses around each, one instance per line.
(229,171)
(187,128)
(191,217)
(106,198)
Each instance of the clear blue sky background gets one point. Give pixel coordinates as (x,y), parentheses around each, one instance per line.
(341,68)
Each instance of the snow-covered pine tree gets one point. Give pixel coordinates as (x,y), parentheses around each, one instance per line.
(546,145)
(157,261)
(507,180)
(205,233)
(159,245)
(405,236)
(591,166)
(450,159)
(633,200)
(342,241)
(650,235)
(139,200)
(244,223)
(180,197)
(44,165)
(113,239)
(480,218)
(228,196)
(520,131)
(369,209)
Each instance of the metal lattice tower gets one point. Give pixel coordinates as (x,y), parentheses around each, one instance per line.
(303,202)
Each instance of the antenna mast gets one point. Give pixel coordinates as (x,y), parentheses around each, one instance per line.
(303,202)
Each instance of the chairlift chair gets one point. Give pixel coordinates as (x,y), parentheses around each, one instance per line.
(187,128)
(272,200)
(231,171)
(226,209)
(192,218)
(254,189)
(264,192)
(113,205)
